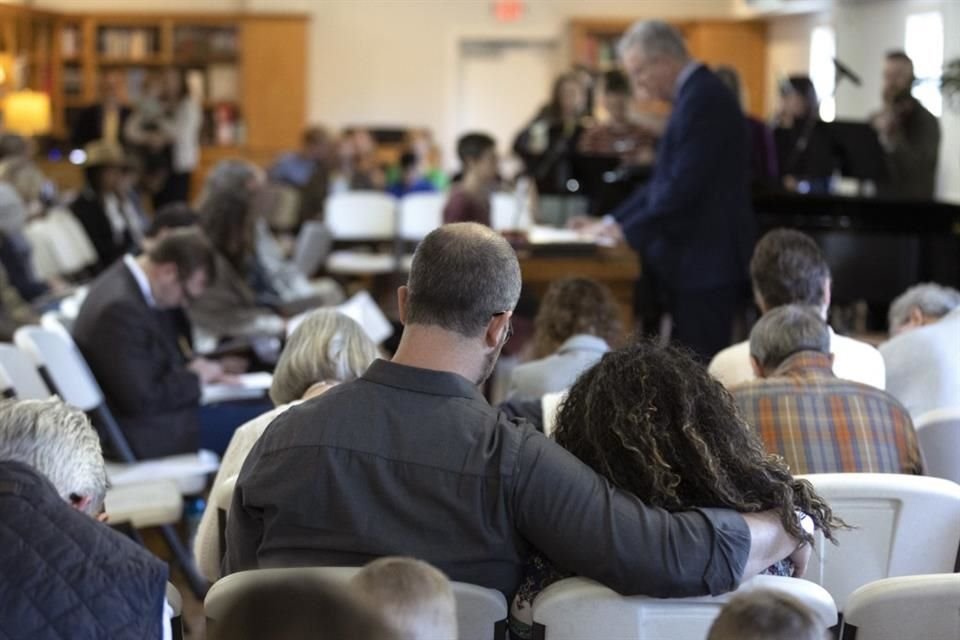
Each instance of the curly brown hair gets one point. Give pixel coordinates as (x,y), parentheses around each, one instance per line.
(572,306)
(652,421)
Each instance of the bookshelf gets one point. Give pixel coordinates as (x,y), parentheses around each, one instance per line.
(741,44)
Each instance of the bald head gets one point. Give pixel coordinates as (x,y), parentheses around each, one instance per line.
(462,274)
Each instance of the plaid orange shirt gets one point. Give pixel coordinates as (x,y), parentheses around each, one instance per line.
(822,424)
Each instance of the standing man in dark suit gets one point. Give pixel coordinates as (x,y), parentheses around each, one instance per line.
(692,222)
(104,120)
(150,386)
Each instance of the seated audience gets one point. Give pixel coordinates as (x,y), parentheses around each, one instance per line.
(923,354)
(765,615)
(788,268)
(415,598)
(578,321)
(111,225)
(618,136)
(818,422)
(63,574)
(253,280)
(326,349)
(469,199)
(15,251)
(357,166)
(410,459)
(150,386)
(652,421)
(412,179)
(307,170)
(294,608)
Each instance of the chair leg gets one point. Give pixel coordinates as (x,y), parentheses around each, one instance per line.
(198,584)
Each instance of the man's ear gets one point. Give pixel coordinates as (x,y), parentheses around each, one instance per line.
(80,503)
(403,295)
(916,318)
(757,369)
(497,329)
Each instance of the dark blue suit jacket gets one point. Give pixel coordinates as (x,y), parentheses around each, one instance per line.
(692,222)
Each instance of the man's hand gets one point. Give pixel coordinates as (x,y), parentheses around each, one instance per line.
(770,543)
(207,370)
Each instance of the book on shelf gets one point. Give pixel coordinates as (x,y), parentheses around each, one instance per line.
(223,83)
(132,44)
(70,42)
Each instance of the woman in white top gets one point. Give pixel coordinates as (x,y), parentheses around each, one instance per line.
(326,349)
(186,118)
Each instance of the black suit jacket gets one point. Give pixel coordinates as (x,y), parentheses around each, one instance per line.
(139,366)
(89,210)
(693,222)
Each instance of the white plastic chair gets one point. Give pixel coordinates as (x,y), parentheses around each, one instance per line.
(578,608)
(42,253)
(508,212)
(73,250)
(905,525)
(481,612)
(149,504)
(907,607)
(58,323)
(938,433)
(20,375)
(420,213)
(361,216)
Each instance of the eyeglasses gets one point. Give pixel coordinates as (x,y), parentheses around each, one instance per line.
(509,325)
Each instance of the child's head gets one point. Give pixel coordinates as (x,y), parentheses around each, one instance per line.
(765,615)
(478,156)
(414,597)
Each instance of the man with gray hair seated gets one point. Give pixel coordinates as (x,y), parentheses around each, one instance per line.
(923,354)
(410,459)
(819,423)
(63,574)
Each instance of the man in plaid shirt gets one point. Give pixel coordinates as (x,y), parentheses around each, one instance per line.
(820,423)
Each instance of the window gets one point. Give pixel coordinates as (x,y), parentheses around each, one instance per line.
(823,49)
(924,44)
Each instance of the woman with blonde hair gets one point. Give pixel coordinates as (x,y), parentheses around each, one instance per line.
(326,349)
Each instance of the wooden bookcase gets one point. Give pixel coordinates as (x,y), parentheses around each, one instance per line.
(252,65)
(740,44)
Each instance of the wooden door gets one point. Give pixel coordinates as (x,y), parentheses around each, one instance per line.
(274,80)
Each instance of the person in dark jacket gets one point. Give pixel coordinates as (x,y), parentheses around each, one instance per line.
(64,574)
(692,222)
(110,221)
(150,384)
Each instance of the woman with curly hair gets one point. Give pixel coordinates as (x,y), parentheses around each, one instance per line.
(577,323)
(652,421)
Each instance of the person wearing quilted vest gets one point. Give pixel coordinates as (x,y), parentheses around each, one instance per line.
(64,575)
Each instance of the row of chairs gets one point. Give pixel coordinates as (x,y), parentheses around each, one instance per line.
(376,217)
(144,493)
(923,606)
(901,526)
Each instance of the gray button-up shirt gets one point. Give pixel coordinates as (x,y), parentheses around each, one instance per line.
(415,462)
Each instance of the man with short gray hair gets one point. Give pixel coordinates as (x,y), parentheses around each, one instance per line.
(63,574)
(410,459)
(923,355)
(692,222)
(819,423)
